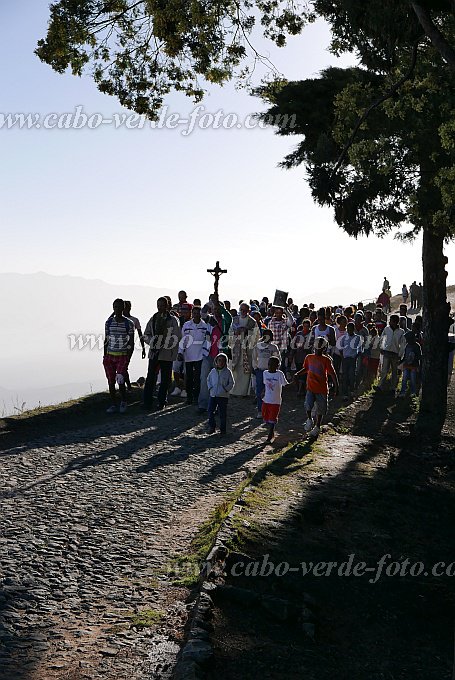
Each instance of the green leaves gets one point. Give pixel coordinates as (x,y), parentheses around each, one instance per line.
(140,50)
(399,167)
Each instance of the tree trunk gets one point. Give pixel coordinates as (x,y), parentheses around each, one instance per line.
(432,31)
(433,403)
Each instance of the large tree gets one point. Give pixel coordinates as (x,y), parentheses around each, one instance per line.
(397,172)
(140,50)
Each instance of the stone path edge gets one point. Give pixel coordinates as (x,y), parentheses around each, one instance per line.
(197,650)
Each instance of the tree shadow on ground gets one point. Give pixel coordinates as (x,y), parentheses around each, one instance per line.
(369,495)
(21,646)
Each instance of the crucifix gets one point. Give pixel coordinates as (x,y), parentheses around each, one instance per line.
(217,273)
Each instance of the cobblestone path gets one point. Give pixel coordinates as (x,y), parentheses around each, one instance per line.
(88,520)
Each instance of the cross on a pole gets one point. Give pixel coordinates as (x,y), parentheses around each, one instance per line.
(216,272)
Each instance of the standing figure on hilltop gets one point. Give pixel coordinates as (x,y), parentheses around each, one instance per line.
(413,289)
(385,285)
(419,296)
(405,294)
(118,347)
(162,333)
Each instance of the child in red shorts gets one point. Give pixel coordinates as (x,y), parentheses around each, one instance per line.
(274,381)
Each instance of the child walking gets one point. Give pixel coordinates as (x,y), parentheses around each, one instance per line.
(262,352)
(318,367)
(220,382)
(274,381)
(412,359)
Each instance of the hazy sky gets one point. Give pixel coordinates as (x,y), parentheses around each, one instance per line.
(154,207)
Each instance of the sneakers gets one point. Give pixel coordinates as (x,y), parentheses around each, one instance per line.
(123,406)
(176,393)
(183,394)
(112,409)
(315,431)
(259,415)
(308,425)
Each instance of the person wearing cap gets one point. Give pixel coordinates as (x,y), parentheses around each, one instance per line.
(318,367)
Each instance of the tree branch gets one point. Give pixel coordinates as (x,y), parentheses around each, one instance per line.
(432,31)
(373,106)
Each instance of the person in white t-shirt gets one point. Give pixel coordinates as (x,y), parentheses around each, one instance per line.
(274,381)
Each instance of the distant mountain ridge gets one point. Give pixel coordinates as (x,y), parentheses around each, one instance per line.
(43,310)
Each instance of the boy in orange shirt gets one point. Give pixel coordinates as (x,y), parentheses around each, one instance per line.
(318,367)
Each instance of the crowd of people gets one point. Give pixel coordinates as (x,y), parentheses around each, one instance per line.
(209,353)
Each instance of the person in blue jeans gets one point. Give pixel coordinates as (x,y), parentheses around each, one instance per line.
(262,352)
(220,382)
(412,360)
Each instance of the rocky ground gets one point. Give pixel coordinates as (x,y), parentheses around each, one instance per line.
(93,511)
